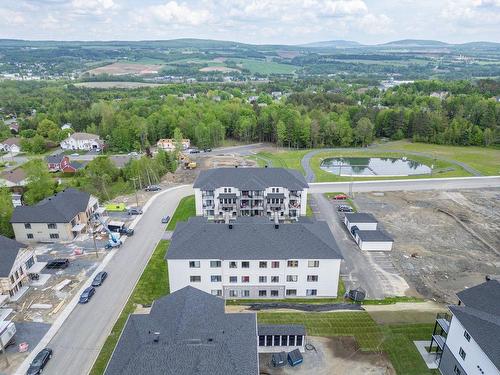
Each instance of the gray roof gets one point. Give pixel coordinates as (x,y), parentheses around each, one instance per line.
(250,178)
(196,337)
(374,236)
(8,254)
(360,218)
(252,239)
(59,208)
(54,159)
(281,329)
(485,296)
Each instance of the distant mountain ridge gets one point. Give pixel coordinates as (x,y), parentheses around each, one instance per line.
(332,44)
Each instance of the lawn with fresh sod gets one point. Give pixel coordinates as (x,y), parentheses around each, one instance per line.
(184,211)
(152,285)
(285,159)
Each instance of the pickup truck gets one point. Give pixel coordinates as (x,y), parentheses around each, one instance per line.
(58,263)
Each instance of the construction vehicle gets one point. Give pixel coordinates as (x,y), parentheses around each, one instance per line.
(186,161)
(114,238)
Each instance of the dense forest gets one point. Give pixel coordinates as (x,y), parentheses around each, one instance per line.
(308,114)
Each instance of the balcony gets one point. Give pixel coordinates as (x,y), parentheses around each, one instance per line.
(232,206)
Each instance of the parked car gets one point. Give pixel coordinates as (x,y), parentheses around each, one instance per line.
(152,188)
(87,294)
(40,361)
(165,219)
(128,231)
(75,154)
(99,278)
(133,153)
(344,208)
(194,151)
(340,197)
(207,150)
(58,263)
(135,211)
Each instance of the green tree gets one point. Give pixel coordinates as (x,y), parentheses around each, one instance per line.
(45,127)
(40,185)
(363,132)
(6,209)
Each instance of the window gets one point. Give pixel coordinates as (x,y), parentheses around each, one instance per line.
(12,279)
(29,262)
(274,293)
(275,279)
(233,265)
(462,353)
(195,279)
(27,226)
(299,340)
(262,279)
(293,263)
(291,340)
(30,236)
(262,264)
(291,292)
(276,340)
(233,279)
(54,236)
(262,340)
(215,264)
(216,278)
(245,279)
(275,264)
(292,278)
(245,293)
(313,263)
(262,293)
(21,270)
(311,292)
(467,336)
(52,226)
(269,340)
(194,264)
(233,293)
(456,370)
(245,264)
(312,277)
(216,292)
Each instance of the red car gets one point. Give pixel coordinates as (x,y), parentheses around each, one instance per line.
(340,197)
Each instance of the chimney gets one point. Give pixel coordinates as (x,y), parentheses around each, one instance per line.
(156,337)
(276,221)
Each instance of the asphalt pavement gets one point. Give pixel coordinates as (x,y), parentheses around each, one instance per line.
(81,336)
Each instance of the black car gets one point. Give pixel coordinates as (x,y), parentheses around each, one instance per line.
(99,278)
(165,219)
(127,231)
(87,294)
(152,188)
(207,150)
(135,211)
(58,263)
(344,208)
(194,151)
(40,361)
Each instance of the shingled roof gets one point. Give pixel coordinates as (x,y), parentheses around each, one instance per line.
(479,314)
(252,239)
(250,178)
(194,337)
(59,208)
(8,254)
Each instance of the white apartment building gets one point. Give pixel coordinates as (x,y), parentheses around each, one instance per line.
(82,141)
(250,192)
(255,258)
(469,342)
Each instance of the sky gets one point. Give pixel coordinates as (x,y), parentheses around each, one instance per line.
(252,21)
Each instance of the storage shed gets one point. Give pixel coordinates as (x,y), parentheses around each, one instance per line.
(275,338)
(373,240)
(363,221)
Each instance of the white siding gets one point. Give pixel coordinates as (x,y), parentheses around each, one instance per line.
(374,245)
(361,226)
(199,205)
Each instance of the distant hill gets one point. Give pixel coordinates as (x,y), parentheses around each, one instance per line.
(416,43)
(332,44)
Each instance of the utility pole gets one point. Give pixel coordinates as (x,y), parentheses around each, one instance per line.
(95,245)
(135,190)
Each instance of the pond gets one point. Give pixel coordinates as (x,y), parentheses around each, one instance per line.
(368,167)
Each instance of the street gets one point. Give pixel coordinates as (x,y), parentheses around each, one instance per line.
(80,338)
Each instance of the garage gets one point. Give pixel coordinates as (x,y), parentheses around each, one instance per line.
(373,240)
(363,221)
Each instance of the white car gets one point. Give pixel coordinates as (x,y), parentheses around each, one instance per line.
(75,154)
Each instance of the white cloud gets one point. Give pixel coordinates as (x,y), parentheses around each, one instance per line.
(376,24)
(175,13)
(95,7)
(11,17)
(344,7)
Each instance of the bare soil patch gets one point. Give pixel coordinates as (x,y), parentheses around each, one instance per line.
(222,69)
(120,68)
(116,85)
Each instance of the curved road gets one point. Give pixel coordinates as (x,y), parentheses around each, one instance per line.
(311,177)
(78,340)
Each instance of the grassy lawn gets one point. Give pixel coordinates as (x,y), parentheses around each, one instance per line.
(152,285)
(395,340)
(485,160)
(284,159)
(184,211)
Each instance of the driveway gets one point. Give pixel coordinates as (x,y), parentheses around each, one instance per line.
(79,338)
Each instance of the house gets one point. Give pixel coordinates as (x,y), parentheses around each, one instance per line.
(168,144)
(441,95)
(14,178)
(82,141)
(17,261)
(250,192)
(11,145)
(62,163)
(373,240)
(467,342)
(66,126)
(187,333)
(362,221)
(60,217)
(255,258)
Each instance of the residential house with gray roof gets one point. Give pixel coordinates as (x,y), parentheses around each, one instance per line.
(250,192)
(468,341)
(60,217)
(255,258)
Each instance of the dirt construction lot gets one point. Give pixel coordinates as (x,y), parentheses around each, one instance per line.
(332,355)
(443,241)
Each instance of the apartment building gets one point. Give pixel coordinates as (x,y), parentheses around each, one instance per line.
(255,258)
(250,192)
(468,340)
(168,144)
(60,217)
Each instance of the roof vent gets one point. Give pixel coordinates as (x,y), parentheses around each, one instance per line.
(236,166)
(230,226)
(156,337)
(265,166)
(210,339)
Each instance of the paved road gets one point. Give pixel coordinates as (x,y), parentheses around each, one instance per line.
(81,336)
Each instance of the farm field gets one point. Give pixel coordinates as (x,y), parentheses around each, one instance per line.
(122,68)
(116,85)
